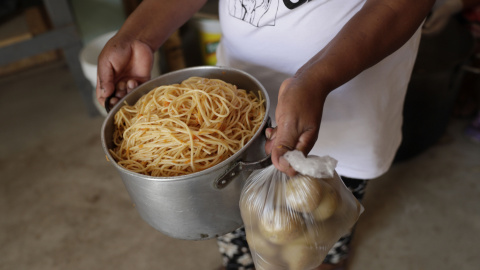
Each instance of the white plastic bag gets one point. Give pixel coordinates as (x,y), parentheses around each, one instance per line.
(292,222)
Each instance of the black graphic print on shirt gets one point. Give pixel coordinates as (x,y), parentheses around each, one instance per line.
(259,12)
(291,4)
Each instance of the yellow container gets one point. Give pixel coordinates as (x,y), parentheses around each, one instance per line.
(210,34)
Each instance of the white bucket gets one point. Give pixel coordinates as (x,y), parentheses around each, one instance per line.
(89,57)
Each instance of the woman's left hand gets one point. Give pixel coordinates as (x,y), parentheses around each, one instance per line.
(298,117)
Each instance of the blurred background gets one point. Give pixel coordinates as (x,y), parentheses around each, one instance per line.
(63,206)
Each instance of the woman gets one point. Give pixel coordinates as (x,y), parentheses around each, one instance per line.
(343,65)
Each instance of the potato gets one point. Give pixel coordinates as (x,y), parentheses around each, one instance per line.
(303,193)
(329,203)
(316,234)
(249,214)
(280,226)
(259,245)
(263,264)
(251,205)
(301,257)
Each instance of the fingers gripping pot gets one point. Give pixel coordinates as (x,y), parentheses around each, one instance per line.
(203,204)
(292,222)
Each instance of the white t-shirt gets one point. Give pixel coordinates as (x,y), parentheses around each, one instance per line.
(361,124)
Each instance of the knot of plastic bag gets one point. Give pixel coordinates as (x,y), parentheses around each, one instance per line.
(314,166)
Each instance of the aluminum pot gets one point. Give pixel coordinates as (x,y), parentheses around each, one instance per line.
(200,205)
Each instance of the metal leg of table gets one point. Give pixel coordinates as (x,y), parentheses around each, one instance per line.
(61,16)
(64,36)
(84,86)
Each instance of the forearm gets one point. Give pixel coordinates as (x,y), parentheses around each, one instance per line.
(153,21)
(377,30)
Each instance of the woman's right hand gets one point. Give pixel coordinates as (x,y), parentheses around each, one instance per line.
(127,59)
(123,64)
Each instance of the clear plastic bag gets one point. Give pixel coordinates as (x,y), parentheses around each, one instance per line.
(292,222)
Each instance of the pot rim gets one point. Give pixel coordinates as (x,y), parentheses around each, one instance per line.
(224,165)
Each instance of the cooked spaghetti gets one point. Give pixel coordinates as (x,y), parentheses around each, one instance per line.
(185,128)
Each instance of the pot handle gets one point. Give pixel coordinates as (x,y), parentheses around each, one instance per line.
(228,176)
(107,102)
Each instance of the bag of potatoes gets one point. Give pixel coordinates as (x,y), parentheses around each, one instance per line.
(292,222)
